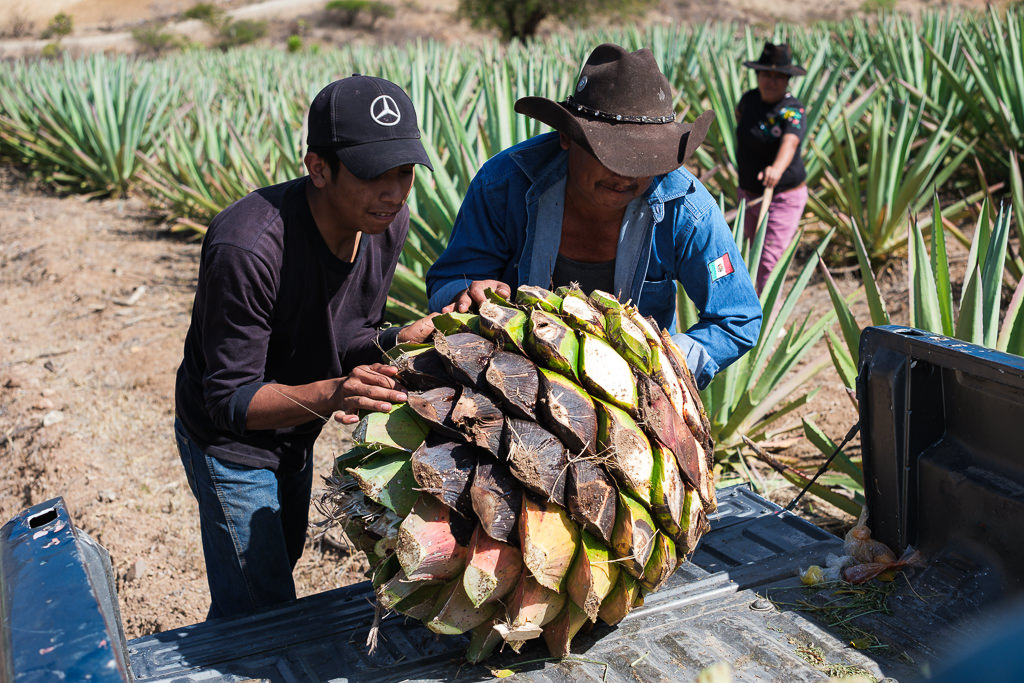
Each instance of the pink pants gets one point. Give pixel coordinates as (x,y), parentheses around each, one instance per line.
(784,215)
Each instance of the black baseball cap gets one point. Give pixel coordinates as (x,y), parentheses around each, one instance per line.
(369,122)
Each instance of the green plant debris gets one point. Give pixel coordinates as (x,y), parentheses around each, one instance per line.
(838,604)
(815,656)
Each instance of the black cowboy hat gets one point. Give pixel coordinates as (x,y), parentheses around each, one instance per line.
(777,58)
(622,113)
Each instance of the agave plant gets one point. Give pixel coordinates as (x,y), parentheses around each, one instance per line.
(204,163)
(83,121)
(906,162)
(751,397)
(993,53)
(922,56)
(976,319)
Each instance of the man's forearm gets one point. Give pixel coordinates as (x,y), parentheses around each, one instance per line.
(278,406)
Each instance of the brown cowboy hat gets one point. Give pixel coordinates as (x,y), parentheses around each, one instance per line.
(621,112)
(777,58)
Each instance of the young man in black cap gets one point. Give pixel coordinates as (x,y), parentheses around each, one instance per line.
(286,330)
(606,202)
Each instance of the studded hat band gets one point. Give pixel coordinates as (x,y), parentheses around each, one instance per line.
(628,118)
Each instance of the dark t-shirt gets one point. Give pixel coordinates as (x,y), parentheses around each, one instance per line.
(759,133)
(274,305)
(589,276)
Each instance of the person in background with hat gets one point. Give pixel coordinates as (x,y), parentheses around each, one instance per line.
(286,330)
(604,201)
(770,126)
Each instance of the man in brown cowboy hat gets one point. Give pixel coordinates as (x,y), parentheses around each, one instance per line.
(604,201)
(770,126)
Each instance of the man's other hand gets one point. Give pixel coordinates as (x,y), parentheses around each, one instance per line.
(474,295)
(418,331)
(367,387)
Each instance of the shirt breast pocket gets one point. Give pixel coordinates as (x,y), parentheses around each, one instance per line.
(657,297)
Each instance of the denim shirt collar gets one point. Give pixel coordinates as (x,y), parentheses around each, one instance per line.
(669,187)
(545,165)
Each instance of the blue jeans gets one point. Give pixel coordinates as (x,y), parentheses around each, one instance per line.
(253,524)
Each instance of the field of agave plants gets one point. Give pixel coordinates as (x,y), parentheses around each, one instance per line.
(915,133)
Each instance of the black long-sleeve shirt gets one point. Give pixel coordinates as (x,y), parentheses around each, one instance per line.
(759,134)
(274,305)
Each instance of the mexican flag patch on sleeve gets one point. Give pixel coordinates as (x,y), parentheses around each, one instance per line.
(720,267)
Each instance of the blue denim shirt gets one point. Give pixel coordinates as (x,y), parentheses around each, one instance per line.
(675,232)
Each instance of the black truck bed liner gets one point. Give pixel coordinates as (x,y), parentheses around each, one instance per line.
(714,609)
(705,614)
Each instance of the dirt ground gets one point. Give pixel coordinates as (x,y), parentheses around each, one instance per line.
(95,300)
(95,304)
(106,25)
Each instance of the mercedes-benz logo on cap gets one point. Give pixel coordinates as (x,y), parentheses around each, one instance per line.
(384,111)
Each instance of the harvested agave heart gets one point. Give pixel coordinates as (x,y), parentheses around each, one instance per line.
(453,323)
(492,569)
(625,451)
(513,379)
(633,537)
(628,339)
(399,430)
(537,297)
(537,458)
(694,523)
(593,575)
(444,469)
(392,588)
(548,539)
(497,497)
(693,410)
(606,374)
(531,607)
(466,355)
(432,541)
(456,613)
(480,418)
(669,428)
(568,411)
(384,479)
(505,326)
(534,487)
(435,407)
(422,369)
(552,343)
(590,497)
(559,633)
(668,492)
(580,314)
(661,563)
(604,301)
(623,597)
